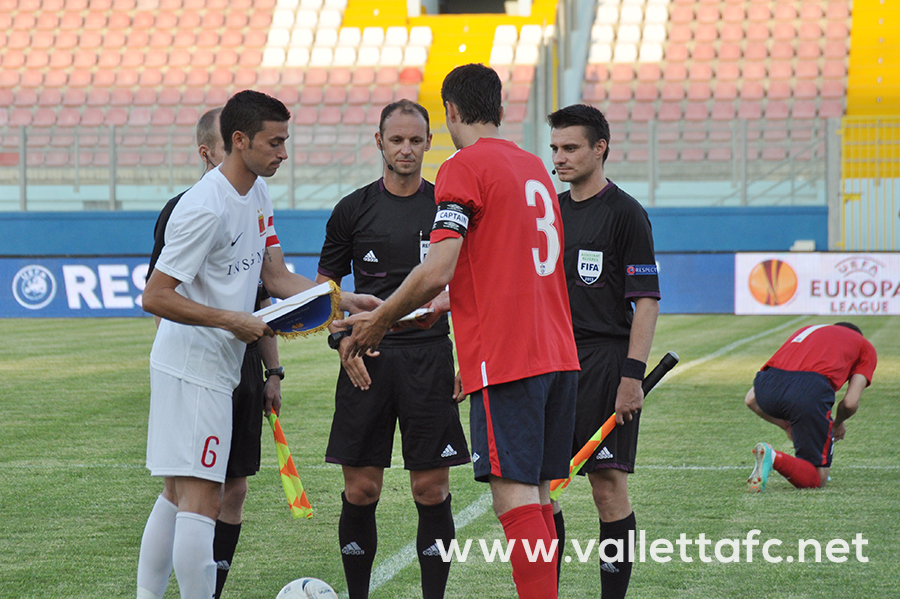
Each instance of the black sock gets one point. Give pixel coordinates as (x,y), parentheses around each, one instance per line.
(435,522)
(224,544)
(615,576)
(358,537)
(561,535)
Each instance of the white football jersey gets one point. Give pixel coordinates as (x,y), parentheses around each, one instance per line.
(215,242)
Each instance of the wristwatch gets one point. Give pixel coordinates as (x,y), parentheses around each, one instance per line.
(278,371)
(334,339)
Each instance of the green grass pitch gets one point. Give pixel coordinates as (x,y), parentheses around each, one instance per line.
(75,495)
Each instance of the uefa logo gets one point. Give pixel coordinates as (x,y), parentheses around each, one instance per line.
(34,287)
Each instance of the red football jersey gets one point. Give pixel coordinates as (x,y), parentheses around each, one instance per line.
(508,296)
(835,352)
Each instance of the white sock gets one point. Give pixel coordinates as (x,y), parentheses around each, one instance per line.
(155,562)
(192,554)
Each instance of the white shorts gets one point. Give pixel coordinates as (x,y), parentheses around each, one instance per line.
(189,432)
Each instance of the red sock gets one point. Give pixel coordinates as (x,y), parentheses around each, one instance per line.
(537,579)
(799,473)
(547,512)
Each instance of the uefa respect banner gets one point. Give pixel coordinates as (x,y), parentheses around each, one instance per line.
(824,283)
(39,287)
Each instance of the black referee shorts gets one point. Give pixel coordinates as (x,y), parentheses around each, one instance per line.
(412,385)
(247,415)
(598,382)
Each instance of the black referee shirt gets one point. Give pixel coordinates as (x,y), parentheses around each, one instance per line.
(380,238)
(609,261)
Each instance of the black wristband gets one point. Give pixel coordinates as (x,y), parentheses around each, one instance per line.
(634,369)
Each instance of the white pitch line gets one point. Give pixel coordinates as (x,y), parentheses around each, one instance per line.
(728,348)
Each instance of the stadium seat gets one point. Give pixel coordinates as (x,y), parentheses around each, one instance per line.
(354,115)
(593,93)
(646,92)
(408,92)
(363,76)
(784,32)
(754,71)
(703,52)
(597,73)
(617,113)
(305,115)
(163,117)
(410,75)
(674,73)
(330,115)
(831,109)
(373,115)
(187,116)
(311,96)
(642,112)
(391,56)
(672,92)
(44,117)
(837,30)
(193,96)
(515,113)
(835,50)
(522,74)
(806,70)
(420,36)
(91,117)
(837,11)
(681,33)
(620,92)
(335,96)
(649,73)
(115,116)
(25,98)
(779,90)
(216,96)
(669,112)
(834,70)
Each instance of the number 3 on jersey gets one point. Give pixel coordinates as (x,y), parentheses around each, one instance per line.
(545,224)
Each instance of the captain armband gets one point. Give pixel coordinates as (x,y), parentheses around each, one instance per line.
(452,216)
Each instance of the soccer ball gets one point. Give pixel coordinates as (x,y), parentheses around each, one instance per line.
(307,588)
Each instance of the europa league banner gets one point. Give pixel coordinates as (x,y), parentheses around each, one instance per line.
(839,284)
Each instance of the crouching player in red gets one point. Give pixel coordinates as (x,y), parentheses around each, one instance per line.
(795,391)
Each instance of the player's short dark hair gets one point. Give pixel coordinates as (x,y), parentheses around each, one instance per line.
(247,111)
(850,326)
(586,116)
(405,107)
(476,91)
(206,127)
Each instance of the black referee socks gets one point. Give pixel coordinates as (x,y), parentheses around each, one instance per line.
(435,522)
(358,537)
(615,576)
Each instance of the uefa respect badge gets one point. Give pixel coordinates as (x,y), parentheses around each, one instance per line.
(590,265)
(34,287)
